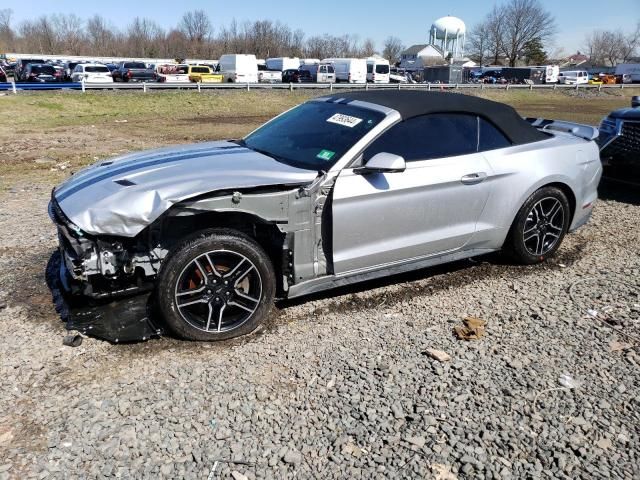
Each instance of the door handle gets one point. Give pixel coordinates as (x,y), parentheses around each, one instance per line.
(474,178)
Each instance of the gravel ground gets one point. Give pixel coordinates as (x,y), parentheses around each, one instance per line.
(340,385)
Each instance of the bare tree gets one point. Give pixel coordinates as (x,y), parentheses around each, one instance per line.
(393,48)
(367,49)
(523,22)
(197,28)
(70,32)
(7,35)
(101,36)
(39,36)
(630,44)
(608,47)
(494,24)
(143,38)
(478,41)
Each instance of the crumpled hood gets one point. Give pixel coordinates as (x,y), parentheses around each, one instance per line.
(122,196)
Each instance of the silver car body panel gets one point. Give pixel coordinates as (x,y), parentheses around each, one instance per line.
(152,181)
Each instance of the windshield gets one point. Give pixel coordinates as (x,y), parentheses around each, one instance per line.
(135,65)
(43,69)
(313,135)
(96,69)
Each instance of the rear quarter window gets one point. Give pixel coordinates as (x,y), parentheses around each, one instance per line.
(490,137)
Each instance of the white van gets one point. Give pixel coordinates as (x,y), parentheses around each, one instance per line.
(630,72)
(320,72)
(350,70)
(378,70)
(552,72)
(239,68)
(574,77)
(283,63)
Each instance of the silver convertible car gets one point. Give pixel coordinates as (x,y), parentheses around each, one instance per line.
(200,239)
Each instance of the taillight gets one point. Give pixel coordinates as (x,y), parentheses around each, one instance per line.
(129,74)
(349,77)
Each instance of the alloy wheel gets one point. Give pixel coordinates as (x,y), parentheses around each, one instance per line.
(544,226)
(218,291)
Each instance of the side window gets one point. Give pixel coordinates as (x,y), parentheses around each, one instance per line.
(490,137)
(78,69)
(430,136)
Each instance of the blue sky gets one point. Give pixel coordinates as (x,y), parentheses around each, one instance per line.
(376,19)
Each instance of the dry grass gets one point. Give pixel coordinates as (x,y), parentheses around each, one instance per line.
(43,131)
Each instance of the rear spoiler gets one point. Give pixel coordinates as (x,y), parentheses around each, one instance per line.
(582,131)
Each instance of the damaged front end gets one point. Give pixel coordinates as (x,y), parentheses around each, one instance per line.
(102,285)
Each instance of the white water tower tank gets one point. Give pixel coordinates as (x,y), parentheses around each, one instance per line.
(449,34)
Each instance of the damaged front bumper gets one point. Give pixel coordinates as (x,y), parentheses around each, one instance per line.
(125,319)
(89,301)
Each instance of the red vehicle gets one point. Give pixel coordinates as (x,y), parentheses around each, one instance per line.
(3,75)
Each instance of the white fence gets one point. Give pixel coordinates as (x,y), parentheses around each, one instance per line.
(146,87)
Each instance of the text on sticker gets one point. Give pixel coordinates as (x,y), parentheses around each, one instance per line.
(344,120)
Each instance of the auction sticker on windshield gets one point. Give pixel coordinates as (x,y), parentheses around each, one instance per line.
(344,120)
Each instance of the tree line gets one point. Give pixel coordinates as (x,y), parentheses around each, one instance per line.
(516,32)
(193,36)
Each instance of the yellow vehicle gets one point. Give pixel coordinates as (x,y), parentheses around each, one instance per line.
(204,74)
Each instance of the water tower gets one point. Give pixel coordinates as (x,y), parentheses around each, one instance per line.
(449,34)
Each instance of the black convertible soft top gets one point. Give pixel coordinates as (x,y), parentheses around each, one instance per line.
(412,103)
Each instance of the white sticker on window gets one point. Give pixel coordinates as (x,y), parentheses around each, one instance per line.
(344,120)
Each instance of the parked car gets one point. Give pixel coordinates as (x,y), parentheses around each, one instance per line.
(59,72)
(91,73)
(620,137)
(297,76)
(574,77)
(172,73)
(631,70)
(69,68)
(21,65)
(338,190)
(320,72)
(378,70)
(201,73)
(9,68)
(40,73)
(133,72)
(350,70)
(3,75)
(239,68)
(269,76)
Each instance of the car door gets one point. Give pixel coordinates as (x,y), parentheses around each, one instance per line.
(430,208)
(76,76)
(322,74)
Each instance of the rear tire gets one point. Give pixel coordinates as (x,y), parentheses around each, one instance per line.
(539,227)
(216,285)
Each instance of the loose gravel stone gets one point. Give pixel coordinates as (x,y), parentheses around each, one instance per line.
(338,386)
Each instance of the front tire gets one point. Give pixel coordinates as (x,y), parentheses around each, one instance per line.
(216,285)
(539,227)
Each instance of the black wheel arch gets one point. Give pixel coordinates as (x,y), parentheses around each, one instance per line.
(172,230)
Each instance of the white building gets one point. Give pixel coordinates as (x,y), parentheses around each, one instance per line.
(416,57)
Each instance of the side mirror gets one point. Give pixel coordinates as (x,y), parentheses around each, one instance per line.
(635,101)
(383,162)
